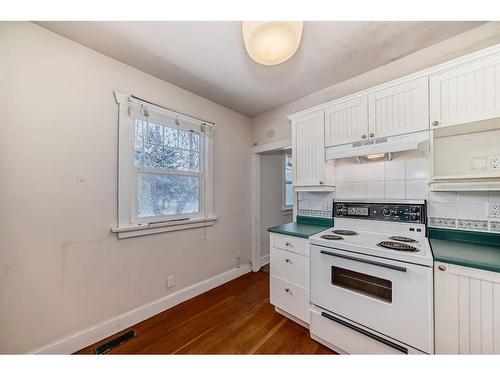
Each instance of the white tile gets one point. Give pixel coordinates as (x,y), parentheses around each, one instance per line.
(416,169)
(315,205)
(375,171)
(394,170)
(472,197)
(443,210)
(417,189)
(472,211)
(394,190)
(342,190)
(358,173)
(343,173)
(375,189)
(443,197)
(358,190)
(494,196)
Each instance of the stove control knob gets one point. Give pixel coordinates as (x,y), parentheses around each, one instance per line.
(386,211)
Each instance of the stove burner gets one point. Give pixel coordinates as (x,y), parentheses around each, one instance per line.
(331,237)
(345,232)
(397,246)
(402,239)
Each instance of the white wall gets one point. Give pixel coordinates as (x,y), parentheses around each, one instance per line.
(271,185)
(273,126)
(61,269)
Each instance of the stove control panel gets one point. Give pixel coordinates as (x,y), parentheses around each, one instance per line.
(398,212)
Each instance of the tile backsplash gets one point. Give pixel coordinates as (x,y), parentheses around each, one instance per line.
(404,177)
(463,210)
(318,204)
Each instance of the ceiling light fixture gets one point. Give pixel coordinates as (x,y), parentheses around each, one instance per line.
(271,43)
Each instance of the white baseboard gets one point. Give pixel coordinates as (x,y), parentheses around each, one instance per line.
(118,323)
(264,260)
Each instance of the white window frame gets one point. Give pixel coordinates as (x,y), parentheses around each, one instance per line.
(284,207)
(129,224)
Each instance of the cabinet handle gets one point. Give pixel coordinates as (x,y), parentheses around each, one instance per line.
(372,135)
(321,182)
(441,268)
(287,260)
(363,136)
(287,290)
(435,123)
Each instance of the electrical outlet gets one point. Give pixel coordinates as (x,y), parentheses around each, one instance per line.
(495,226)
(494,163)
(170,281)
(472,224)
(494,209)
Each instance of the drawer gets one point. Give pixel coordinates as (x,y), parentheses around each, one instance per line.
(290,297)
(295,244)
(290,266)
(346,339)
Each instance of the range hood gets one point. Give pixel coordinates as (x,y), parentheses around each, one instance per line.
(412,141)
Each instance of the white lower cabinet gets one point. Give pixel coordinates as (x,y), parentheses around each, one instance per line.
(289,281)
(467,310)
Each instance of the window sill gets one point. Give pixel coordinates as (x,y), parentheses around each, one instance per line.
(153,228)
(286,210)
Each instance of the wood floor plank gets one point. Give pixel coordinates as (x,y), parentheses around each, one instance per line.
(234,318)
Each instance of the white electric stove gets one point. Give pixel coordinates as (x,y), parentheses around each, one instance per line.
(372,279)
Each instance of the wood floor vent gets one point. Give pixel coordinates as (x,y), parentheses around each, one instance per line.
(117,341)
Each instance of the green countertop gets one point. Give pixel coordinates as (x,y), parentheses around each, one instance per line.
(304,227)
(466,249)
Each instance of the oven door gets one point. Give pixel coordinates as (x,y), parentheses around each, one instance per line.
(390,297)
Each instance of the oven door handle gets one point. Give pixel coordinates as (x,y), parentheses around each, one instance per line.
(380,264)
(369,334)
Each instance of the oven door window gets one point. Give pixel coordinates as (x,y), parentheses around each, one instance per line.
(368,285)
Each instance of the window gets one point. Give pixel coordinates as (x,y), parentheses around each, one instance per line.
(287,182)
(165,159)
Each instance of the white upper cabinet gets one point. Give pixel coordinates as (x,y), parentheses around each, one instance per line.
(394,110)
(467,93)
(399,109)
(346,122)
(308,149)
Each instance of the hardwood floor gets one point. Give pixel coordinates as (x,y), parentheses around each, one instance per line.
(234,318)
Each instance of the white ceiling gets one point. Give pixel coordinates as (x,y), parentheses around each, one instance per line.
(209,58)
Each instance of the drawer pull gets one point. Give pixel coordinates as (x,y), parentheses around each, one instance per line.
(287,260)
(288,244)
(369,334)
(442,268)
(380,264)
(287,290)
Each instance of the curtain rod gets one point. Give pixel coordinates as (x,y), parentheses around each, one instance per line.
(171,110)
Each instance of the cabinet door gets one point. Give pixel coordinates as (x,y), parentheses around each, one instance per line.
(466,94)
(308,150)
(399,109)
(346,122)
(467,310)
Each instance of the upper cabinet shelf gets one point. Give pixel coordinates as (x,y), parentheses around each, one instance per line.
(395,110)
(467,93)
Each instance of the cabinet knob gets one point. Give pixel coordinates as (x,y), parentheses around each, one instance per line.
(287,290)
(435,123)
(372,135)
(321,182)
(287,244)
(363,136)
(287,260)
(441,268)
